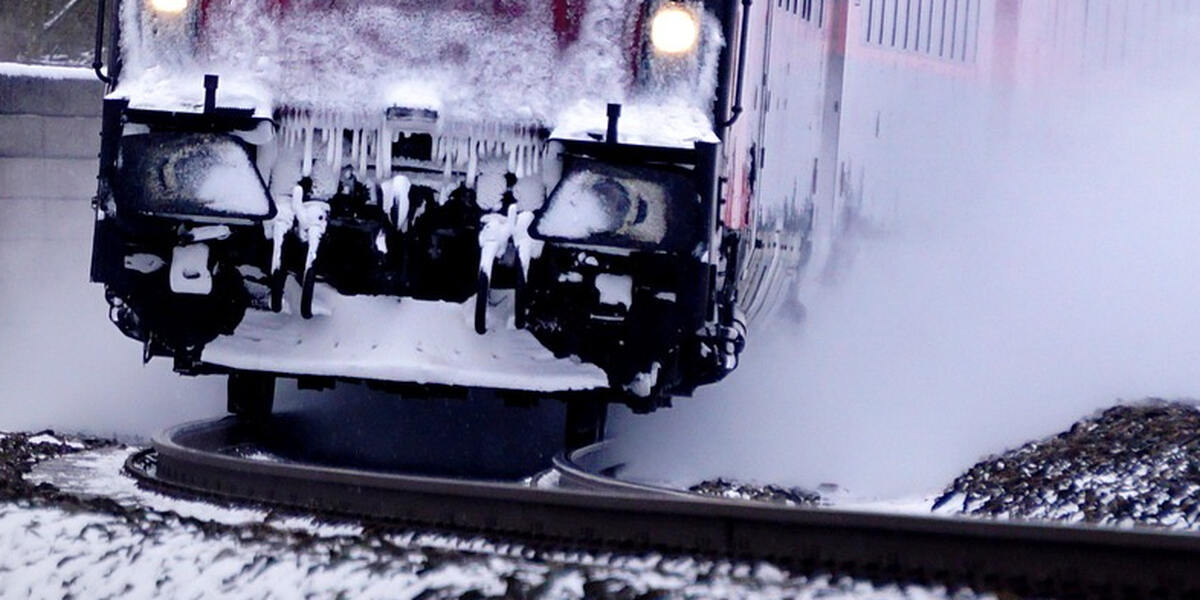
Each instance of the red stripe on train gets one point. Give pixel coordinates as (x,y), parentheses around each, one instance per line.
(567,16)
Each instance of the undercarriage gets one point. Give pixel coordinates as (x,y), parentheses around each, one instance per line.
(590,255)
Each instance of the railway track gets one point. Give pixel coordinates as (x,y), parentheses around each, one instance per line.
(591,511)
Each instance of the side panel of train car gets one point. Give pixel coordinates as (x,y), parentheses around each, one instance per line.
(530,195)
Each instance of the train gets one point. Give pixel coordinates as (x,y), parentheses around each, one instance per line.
(584,199)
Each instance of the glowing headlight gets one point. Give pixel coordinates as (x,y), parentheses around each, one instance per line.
(674,30)
(169,7)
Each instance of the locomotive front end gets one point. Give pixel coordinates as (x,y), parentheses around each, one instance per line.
(509,194)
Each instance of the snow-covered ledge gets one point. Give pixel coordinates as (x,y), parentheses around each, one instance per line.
(49,91)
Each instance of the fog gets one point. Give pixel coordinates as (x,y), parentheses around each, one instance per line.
(62,364)
(1050,269)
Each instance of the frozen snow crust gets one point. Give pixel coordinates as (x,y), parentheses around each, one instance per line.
(106,539)
(10,69)
(471,61)
(1134,464)
(391,339)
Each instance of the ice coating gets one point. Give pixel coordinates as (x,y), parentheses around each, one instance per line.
(615,290)
(589,203)
(472,63)
(229,186)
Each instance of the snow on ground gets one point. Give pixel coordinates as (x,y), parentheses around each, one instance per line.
(60,540)
(99,473)
(401,340)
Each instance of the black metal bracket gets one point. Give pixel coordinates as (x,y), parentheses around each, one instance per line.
(736,111)
(97,57)
(614,116)
(210,93)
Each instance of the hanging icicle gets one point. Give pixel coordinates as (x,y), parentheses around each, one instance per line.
(306,168)
(363,151)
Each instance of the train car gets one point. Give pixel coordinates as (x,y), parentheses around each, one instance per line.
(580,198)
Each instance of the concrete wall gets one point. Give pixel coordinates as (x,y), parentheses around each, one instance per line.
(49,137)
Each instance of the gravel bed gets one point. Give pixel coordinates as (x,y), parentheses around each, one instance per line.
(1136,464)
(722,488)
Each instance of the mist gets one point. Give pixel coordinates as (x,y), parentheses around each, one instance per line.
(62,364)
(1049,269)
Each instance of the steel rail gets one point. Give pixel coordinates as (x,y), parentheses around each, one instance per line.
(579,470)
(1020,558)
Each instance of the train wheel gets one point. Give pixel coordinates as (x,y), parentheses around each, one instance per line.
(250,396)
(520,300)
(306,293)
(481,303)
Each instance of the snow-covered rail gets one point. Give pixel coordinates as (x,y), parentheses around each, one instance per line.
(1020,558)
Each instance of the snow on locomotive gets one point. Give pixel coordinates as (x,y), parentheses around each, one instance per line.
(542,196)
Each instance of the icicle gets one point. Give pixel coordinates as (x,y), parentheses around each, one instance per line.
(512,161)
(330,148)
(341,147)
(444,193)
(363,153)
(473,163)
(383,152)
(308,151)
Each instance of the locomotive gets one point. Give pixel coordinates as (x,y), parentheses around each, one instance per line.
(549,197)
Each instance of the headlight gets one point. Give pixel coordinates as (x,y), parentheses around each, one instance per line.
(622,206)
(169,7)
(674,30)
(205,177)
